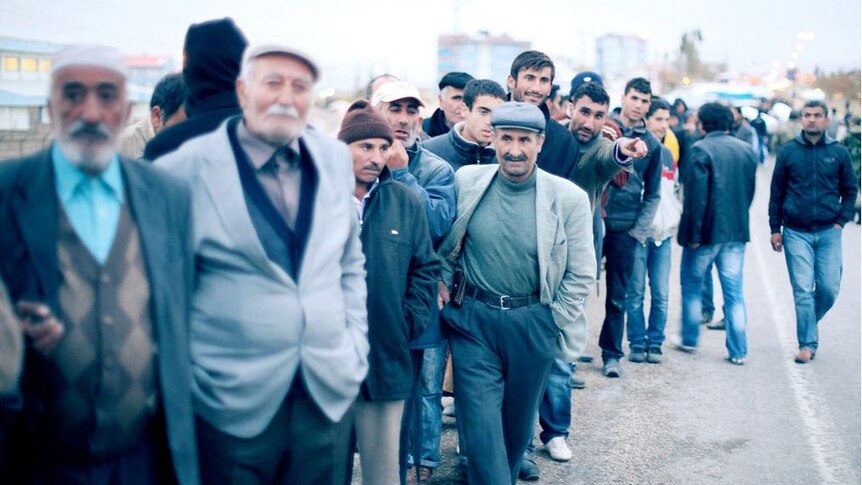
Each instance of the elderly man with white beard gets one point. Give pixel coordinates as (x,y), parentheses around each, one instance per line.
(95,251)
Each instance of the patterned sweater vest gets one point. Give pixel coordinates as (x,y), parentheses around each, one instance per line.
(103,385)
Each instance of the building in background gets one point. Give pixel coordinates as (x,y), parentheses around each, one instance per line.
(25,76)
(484,56)
(621,56)
(25,70)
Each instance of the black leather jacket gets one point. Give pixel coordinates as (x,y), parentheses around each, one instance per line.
(719,187)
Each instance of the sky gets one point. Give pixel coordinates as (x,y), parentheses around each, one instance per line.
(353,39)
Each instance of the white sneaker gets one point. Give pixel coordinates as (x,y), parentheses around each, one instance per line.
(449,409)
(558,449)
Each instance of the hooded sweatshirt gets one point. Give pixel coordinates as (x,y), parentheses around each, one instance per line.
(211,64)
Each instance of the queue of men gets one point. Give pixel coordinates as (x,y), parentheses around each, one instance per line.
(262,299)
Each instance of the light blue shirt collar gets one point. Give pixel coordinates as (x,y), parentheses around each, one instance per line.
(67,176)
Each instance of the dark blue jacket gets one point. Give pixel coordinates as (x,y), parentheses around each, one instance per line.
(632,207)
(453,148)
(813,186)
(402,273)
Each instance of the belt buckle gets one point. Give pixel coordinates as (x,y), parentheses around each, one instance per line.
(505,302)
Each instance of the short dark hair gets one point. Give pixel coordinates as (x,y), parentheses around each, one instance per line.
(594,91)
(715,117)
(482,87)
(640,85)
(817,104)
(169,94)
(554,90)
(531,60)
(656,104)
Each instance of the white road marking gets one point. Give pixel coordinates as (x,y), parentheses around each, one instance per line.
(832,463)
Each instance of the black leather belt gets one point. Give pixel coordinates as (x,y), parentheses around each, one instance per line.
(503,302)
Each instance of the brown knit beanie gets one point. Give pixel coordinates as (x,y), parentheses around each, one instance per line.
(362,122)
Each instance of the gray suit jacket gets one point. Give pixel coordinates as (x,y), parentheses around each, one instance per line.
(253,326)
(564,228)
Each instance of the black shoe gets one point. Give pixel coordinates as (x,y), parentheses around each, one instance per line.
(653,356)
(577,383)
(707,317)
(717,325)
(585,359)
(529,471)
(637,356)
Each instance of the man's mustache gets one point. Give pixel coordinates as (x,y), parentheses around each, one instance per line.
(512,158)
(279,110)
(81,127)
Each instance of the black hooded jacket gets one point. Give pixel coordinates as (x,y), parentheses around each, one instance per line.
(436,124)
(213,53)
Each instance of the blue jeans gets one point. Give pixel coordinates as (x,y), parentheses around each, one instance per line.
(654,261)
(555,410)
(814,265)
(427,415)
(707,299)
(728,258)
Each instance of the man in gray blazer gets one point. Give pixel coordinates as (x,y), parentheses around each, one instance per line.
(279,326)
(523,242)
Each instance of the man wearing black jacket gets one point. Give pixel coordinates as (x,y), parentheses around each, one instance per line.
(402,272)
(632,201)
(451,99)
(719,187)
(469,142)
(530,80)
(812,197)
(212,55)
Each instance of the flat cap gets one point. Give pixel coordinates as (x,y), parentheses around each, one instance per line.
(455,79)
(519,116)
(255,51)
(80,55)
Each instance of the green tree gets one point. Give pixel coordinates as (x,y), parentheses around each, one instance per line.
(689,55)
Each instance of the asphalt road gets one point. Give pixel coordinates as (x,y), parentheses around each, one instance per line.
(699,419)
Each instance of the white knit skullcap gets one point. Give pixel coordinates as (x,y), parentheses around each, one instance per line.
(80,55)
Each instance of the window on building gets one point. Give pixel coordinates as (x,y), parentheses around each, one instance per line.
(44,65)
(28,64)
(10,64)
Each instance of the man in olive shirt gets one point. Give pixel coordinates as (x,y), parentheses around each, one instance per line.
(523,241)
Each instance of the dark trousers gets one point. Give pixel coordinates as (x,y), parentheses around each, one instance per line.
(34,458)
(619,250)
(145,464)
(410,436)
(500,359)
(300,445)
